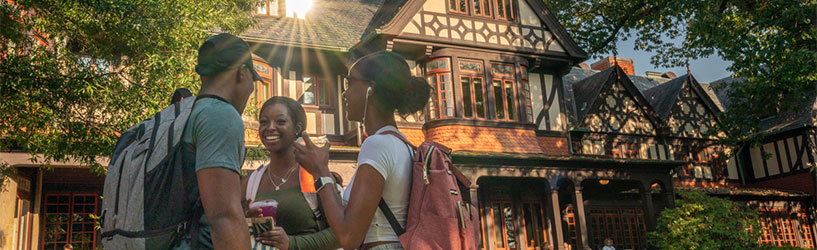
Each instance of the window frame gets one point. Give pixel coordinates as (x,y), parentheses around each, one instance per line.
(456,8)
(23,229)
(318,81)
(537,224)
(265,85)
(527,99)
(70,213)
(624,150)
(502,229)
(482,3)
(471,75)
(268,4)
(509,12)
(434,75)
(503,80)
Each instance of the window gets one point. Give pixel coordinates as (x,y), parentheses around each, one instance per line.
(100,66)
(22,220)
(482,8)
(624,150)
(263,88)
(504,92)
(534,224)
(504,10)
(473,97)
(625,226)
(524,91)
(438,72)
(780,228)
(268,8)
(497,9)
(458,6)
(502,215)
(316,91)
(702,163)
(67,221)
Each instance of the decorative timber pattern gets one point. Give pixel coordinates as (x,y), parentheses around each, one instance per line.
(618,112)
(488,31)
(689,117)
(548,114)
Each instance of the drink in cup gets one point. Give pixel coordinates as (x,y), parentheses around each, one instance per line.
(269,208)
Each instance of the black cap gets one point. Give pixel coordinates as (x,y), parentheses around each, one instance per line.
(222,52)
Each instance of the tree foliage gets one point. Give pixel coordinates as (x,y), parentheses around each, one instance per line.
(699,221)
(106,65)
(772,45)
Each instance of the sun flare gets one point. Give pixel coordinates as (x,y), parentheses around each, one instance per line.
(298,8)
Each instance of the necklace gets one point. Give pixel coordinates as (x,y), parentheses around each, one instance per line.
(283,180)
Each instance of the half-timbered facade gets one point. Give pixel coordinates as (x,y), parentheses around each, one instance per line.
(561,157)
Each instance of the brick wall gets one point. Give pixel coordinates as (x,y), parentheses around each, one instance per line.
(803,182)
(486,139)
(553,145)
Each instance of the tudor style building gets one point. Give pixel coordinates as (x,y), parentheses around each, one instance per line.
(561,156)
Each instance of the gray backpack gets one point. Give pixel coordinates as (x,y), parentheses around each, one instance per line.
(147,200)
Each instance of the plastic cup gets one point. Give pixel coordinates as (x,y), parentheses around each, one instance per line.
(269,208)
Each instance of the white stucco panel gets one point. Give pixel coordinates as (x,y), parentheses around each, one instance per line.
(527,16)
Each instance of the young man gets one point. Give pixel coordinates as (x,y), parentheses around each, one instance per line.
(216,131)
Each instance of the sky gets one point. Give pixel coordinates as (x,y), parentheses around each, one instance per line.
(705,70)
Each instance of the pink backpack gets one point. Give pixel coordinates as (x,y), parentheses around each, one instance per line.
(440,214)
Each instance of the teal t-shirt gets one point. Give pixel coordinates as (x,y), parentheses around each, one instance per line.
(216,130)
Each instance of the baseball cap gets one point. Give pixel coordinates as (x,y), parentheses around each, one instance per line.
(222,52)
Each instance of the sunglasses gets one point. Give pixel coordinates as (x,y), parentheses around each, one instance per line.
(347,79)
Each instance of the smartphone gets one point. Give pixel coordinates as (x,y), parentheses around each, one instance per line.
(259,225)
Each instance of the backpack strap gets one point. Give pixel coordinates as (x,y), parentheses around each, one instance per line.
(254,182)
(399,230)
(195,224)
(395,134)
(390,217)
(307,183)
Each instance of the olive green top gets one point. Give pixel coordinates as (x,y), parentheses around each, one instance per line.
(295,216)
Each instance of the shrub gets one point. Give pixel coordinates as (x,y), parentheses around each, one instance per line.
(700,221)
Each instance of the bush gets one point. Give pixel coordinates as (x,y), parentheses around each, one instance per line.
(700,221)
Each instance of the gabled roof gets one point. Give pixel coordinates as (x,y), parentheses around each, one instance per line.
(557,29)
(397,21)
(664,96)
(586,92)
(577,74)
(330,24)
(804,115)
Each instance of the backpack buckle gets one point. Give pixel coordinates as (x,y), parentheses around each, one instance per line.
(181,228)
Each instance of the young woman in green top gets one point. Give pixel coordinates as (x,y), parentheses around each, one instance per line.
(281,121)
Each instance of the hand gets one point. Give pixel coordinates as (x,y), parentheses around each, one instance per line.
(251,212)
(312,158)
(276,237)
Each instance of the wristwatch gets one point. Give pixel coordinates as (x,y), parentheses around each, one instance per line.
(323,181)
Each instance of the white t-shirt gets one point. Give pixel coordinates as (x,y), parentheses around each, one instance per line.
(608,248)
(392,159)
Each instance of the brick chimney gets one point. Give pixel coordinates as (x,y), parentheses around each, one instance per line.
(626,64)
